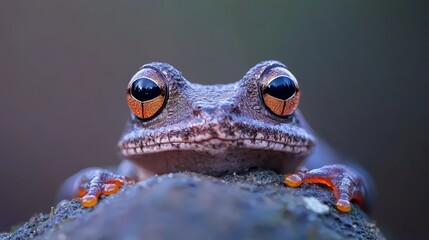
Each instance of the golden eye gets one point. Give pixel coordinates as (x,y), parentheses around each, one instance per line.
(280,92)
(147,94)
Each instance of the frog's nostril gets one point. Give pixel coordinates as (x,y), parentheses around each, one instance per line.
(199,109)
(230,108)
(214,109)
(196,109)
(234,108)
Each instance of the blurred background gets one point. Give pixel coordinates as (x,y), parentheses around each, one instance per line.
(362,67)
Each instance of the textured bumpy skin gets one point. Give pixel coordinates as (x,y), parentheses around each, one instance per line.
(219,129)
(216,129)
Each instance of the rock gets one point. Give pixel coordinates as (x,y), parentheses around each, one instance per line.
(252,205)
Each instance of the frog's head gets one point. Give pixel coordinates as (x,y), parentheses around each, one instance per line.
(176,125)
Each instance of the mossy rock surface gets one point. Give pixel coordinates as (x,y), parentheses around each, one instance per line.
(252,205)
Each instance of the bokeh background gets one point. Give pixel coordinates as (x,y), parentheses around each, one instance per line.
(362,67)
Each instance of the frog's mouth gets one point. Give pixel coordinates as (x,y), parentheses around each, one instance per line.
(215,140)
(216,149)
(213,146)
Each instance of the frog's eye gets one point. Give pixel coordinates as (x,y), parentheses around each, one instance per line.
(147,94)
(279,91)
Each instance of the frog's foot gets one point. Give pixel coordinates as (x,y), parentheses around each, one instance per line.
(346,183)
(100,182)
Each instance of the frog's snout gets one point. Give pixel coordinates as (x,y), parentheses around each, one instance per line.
(216,110)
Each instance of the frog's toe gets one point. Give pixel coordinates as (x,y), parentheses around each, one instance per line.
(346,183)
(101,182)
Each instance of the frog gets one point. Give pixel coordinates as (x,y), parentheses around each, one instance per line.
(176,126)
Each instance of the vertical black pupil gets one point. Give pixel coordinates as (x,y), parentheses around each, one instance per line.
(144,89)
(281,87)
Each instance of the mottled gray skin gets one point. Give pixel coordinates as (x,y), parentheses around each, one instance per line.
(221,129)
(214,129)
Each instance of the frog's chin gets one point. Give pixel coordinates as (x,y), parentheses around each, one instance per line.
(216,159)
(216,156)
